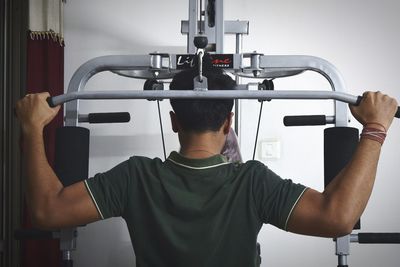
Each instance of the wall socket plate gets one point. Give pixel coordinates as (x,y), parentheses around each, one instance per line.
(270,149)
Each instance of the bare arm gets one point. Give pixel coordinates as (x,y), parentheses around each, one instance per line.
(335,211)
(51,205)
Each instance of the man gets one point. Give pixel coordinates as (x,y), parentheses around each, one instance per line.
(196,208)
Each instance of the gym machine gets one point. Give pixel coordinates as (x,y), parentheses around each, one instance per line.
(205,32)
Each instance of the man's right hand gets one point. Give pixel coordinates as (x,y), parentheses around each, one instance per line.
(375,108)
(335,211)
(34,112)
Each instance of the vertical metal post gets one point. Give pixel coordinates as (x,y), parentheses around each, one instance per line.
(342,250)
(239,50)
(219,26)
(214,34)
(193,25)
(67,244)
(342,261)
(3,140)
(341,114)
(13,25)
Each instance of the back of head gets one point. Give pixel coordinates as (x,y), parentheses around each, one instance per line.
(201,115)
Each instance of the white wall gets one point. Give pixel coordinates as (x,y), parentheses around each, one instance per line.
(360,37)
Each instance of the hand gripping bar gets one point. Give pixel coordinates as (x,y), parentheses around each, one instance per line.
(212,94)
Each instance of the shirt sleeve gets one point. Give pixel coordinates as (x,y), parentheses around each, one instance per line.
(108,190)
(275,198)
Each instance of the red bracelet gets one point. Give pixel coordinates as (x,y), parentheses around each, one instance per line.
(376,123)
(374,134)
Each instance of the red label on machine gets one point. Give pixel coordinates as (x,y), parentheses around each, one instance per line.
(223,61)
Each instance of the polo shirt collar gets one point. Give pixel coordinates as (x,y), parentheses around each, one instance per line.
(206,163)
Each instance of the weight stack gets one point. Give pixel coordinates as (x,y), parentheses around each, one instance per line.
(72,154)
(339,146)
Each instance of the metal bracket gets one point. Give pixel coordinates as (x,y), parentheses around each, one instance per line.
(200,85)
(68,242)
(342,249)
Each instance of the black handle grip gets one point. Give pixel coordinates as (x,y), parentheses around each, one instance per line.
(114,117)
(32,234)
(304,120)
(379,238)
(397,115)
(50,102)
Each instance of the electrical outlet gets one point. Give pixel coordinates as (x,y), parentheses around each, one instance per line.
(270,149)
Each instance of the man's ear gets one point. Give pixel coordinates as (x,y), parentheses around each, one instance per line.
(174,122)
(228,123)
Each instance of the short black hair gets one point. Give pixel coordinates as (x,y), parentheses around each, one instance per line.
(201,115)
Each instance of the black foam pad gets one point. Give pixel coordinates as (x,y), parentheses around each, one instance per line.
(72,154)
(339,146)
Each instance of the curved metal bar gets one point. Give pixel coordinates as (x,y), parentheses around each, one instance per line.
(107,63)
(319,65)
(284,64)
(96,65)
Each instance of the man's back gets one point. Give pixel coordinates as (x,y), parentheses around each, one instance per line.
(194,212)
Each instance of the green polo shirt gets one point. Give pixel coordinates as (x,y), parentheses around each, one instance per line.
(194,212)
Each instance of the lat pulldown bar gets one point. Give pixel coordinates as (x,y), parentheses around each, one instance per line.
(214,94)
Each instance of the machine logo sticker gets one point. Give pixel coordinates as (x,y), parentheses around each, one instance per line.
(224,61)
(184,61)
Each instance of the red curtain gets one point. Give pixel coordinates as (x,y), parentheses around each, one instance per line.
(45,73)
